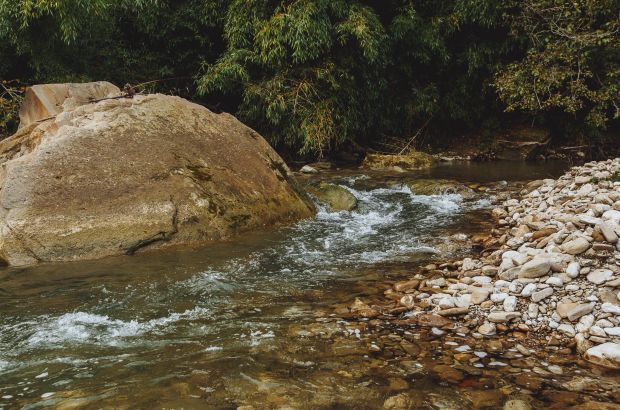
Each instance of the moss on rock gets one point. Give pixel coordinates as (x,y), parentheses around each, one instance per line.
(337,197)
(413,160)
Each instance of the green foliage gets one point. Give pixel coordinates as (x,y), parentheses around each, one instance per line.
(117,40)
(573,64)
(306,72)
(11,96)
(313,75)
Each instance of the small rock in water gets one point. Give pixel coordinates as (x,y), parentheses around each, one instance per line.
(481,355)
(517,404)
(405,286)
(448,373)
(408,301)
(484,399)
(399,402)
(307,169)
(555,369)
(438,332)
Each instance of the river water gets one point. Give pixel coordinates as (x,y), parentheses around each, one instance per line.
(248,322)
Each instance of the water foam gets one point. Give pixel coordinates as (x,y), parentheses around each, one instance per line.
(387,224)
(390,224)
(83,327)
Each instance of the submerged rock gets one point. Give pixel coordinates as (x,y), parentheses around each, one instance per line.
(338,198)
(399,402)
(517,404)
(115,176)
(447,373)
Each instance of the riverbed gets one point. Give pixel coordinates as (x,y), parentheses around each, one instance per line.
(251,322)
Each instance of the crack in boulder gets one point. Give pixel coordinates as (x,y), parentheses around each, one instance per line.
(162,236)
(22,242)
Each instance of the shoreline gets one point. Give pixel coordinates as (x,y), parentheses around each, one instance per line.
(545,286)
(550,267)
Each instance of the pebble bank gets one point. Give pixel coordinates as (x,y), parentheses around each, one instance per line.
(551,269)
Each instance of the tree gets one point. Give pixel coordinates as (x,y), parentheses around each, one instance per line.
(117,40)
(307,72)
(571,69)
(313,75)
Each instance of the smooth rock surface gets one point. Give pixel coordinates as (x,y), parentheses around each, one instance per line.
(535,268)
(120,175)
(337,197)
(576,246)
(599,276)
(48,100)
(606,354)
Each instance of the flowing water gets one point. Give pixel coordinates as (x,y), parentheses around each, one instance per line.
(247,322)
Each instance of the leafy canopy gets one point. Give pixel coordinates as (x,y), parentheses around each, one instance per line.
(573,63)
(312,75)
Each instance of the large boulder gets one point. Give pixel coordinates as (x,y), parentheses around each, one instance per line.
(123,174)
(48,100)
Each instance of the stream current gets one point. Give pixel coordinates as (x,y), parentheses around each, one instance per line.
(227,325)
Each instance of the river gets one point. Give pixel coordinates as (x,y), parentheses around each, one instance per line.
(247,322)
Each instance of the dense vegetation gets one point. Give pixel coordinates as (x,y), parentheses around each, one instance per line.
(314,74)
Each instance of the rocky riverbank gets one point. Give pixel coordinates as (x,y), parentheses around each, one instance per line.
(551,270)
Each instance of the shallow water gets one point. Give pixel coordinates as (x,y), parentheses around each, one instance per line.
(240,323)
